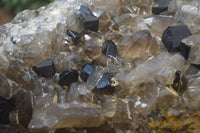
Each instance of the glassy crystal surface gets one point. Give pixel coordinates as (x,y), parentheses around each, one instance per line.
(137,85)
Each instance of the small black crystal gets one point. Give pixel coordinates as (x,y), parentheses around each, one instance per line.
(85,10)
(109,48)
(68,76)
(86,71)
(160,6)
(87,19)
(173,35)
(74,35)
(6,106)
(45,68)
(105,83)
(91,23)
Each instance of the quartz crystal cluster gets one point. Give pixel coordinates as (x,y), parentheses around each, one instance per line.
(102,66)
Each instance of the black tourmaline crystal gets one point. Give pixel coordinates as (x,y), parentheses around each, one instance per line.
(85,10)
(173,35)
(86,71)
(105,82)
(89,21)
(74,35)
(68,76)
(45,68)
(160,6)
(6,106)
(109,48)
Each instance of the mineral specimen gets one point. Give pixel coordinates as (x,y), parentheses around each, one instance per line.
(91,23)
(109,48)
(45,68)
(160,6)
(173,35)
(118,77)
(86,71)
(68,76)
(74,35)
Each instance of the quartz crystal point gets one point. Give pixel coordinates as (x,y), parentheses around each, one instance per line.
(158,90)
(138,45)
(72,114)
(160,6)
(173,35)
(45,68)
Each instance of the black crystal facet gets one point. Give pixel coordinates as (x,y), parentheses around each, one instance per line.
(86,71)
(160,6)
(74,35)
(185,50)
(6,106)
(91,23)
(45,68)
(85,10)
(173,35)
(109,48)
(105,83)
(67,77)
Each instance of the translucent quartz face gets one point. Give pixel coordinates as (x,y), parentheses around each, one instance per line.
(101,66)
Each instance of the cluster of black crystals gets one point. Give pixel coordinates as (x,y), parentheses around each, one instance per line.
(67,77)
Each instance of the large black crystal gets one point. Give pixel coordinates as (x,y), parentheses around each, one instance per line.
(109,48)
(6,106)
(45,68)
(68,76)
(173,35)
(91,22)
(86,71)
(160,6)
(74,35)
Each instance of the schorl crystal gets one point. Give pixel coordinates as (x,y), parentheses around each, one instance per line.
(45,68)
(89,21)
(173,35)
(86,71)
(6,106)
(85,10)
(107,83)
(160,6)
(74,35)
(68,76)
(109,48)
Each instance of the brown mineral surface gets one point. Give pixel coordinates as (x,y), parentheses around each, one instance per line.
(102,66)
